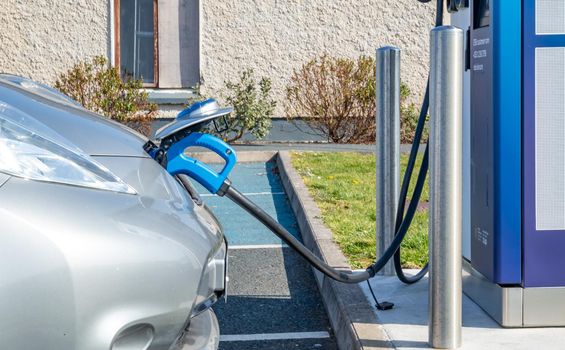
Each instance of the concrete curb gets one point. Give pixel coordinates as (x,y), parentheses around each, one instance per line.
(352,319)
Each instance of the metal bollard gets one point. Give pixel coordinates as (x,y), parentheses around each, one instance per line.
(388,147)
(445,225)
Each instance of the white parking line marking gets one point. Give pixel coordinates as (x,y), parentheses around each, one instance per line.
(274,336)
(248,194)
(257,246)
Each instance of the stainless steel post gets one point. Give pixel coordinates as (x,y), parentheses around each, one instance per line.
(446,115)
(388,147)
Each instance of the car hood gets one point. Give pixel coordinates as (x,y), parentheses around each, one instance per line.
(91,133)
(119,150)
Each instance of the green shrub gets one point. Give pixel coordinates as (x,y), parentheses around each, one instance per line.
(336,97)
(409,115)
(252,103)
(98,87)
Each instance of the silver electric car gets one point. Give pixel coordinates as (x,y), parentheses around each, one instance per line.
(100,247)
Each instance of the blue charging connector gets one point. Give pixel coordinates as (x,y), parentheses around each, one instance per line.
(179,163)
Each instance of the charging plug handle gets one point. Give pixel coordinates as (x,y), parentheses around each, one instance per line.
(178,162)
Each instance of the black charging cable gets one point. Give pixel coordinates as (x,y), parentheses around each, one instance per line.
(402,225)
(338,275)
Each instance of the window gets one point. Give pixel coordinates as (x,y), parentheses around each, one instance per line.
(136,40)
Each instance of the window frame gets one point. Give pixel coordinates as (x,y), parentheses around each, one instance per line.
(117,51)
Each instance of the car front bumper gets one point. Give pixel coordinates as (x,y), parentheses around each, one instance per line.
(203,333)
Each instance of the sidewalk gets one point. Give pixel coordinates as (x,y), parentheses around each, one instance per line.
(315,147)
(407,323)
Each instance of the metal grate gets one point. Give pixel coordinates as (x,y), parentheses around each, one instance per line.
(550,17)
(550,139)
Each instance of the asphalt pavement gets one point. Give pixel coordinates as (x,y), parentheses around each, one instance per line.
(273,301)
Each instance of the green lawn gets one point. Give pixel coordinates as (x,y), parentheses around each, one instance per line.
(343,186)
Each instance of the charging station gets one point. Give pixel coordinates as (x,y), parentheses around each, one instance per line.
(513,245)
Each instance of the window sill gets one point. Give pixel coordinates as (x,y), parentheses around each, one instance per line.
(170,96)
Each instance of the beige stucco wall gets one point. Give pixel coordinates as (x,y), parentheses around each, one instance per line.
(276,36)
(42,38)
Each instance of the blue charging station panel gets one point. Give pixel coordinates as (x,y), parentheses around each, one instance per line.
(496,71)
(543,143)
(517,51)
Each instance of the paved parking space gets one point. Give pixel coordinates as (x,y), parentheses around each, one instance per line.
(273,301)
(260,182)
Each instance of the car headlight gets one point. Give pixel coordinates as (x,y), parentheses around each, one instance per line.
(30,150)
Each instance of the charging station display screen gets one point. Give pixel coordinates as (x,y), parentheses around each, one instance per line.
(481,13)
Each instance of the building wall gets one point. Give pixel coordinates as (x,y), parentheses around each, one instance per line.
(276,36)
(42,38)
